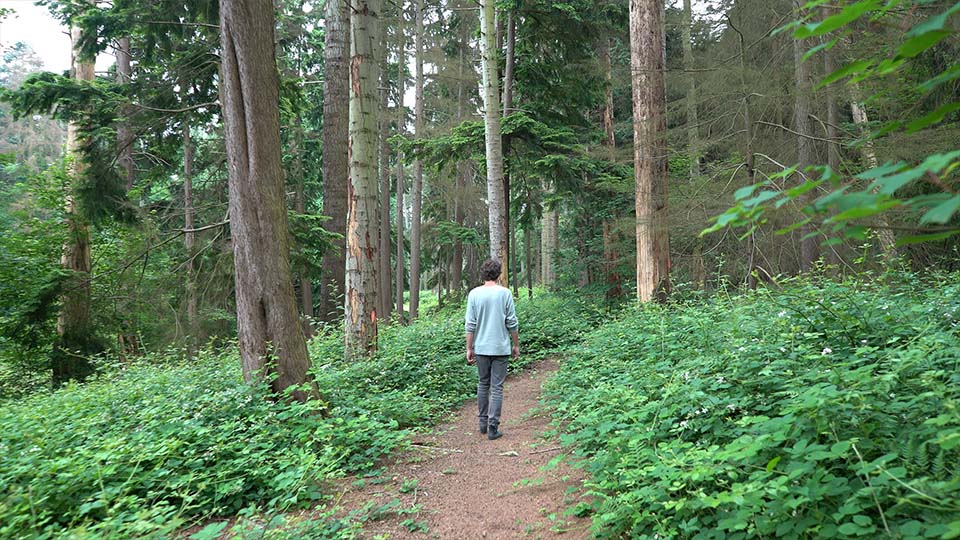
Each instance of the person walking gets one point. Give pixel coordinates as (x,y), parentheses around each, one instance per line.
(491,326)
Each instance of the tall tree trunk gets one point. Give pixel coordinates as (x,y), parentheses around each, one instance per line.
(384,294)
(417,169)
(74,325)
(750,277)
(335,161)
(832,133)
(888,241)
(650,152)
(361,293)
(401,128)
(805,148)
(494,148)
(549,245)
(125,135)
(300,206)
(527,246)
(456,273)
(507,107)
(190,243)
(693,137)
(272,346)
(611,237)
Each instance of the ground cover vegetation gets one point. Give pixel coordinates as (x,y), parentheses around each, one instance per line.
(819,410)
(146,450)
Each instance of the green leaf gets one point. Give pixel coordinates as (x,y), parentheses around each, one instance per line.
(935,23)
(846,16)
(933,117)
(210,532)
(847,70)
(744,192)
(772,464)
(944,76)
(826,46)
(921,238)
(916,45)
(942,212)
(863,211)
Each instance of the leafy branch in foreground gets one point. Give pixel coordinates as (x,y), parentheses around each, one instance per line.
(923,190)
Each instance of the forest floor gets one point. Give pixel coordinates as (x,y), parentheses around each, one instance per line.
(454,484)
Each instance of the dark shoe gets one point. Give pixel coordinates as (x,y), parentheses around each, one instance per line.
(495,433)
(483,429)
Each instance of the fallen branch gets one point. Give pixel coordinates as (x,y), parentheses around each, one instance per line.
(436,448)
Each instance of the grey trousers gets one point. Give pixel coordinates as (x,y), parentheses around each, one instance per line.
(491,372)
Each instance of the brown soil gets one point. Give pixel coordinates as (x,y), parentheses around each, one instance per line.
(468,487)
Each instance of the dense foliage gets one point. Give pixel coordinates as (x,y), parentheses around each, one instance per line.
(816,411)
(149,449)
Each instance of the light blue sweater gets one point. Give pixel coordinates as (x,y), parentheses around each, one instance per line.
(491,318)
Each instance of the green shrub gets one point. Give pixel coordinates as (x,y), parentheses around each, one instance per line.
(145,450)
(816,412)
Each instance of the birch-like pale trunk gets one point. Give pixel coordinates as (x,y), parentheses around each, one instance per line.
(417,191)
(272,345)
(647,59)
(336,97)
(888,241)
(549,245)
(360,312)
(494,148)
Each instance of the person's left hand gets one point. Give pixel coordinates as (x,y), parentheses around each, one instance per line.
(471,358)
(516,352)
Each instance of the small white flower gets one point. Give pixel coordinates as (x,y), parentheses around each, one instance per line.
(863,341)
(683,424)
(782,313)
(826,351)
(731,406)
(783,349)
(720,379)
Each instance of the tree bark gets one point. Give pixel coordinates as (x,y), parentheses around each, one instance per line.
(507,107)
(693,137)
(361,293)
(417,193)
(611,237)
(125,135)
(549,244)
(456,274)
(384,294)
(401,128)
(494,148)
(805,148)
(888,241)
(272,345)
(335,160)
(527,246)
(74,324)
(190,241)
(749,278)
(650,154)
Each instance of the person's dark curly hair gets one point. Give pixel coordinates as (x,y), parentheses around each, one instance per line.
(490,270)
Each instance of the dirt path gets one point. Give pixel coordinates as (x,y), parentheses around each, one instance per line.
(467,487)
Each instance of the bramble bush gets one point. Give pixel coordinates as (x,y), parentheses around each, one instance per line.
(821,411)
(144,451)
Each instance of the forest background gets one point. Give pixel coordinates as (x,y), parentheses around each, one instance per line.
(826,133)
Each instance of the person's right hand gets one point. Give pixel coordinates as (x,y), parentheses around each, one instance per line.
(471,358)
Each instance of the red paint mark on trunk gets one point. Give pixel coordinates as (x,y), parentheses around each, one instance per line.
(355,74)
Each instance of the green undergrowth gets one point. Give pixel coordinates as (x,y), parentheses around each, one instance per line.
(820,411)
(147,450)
